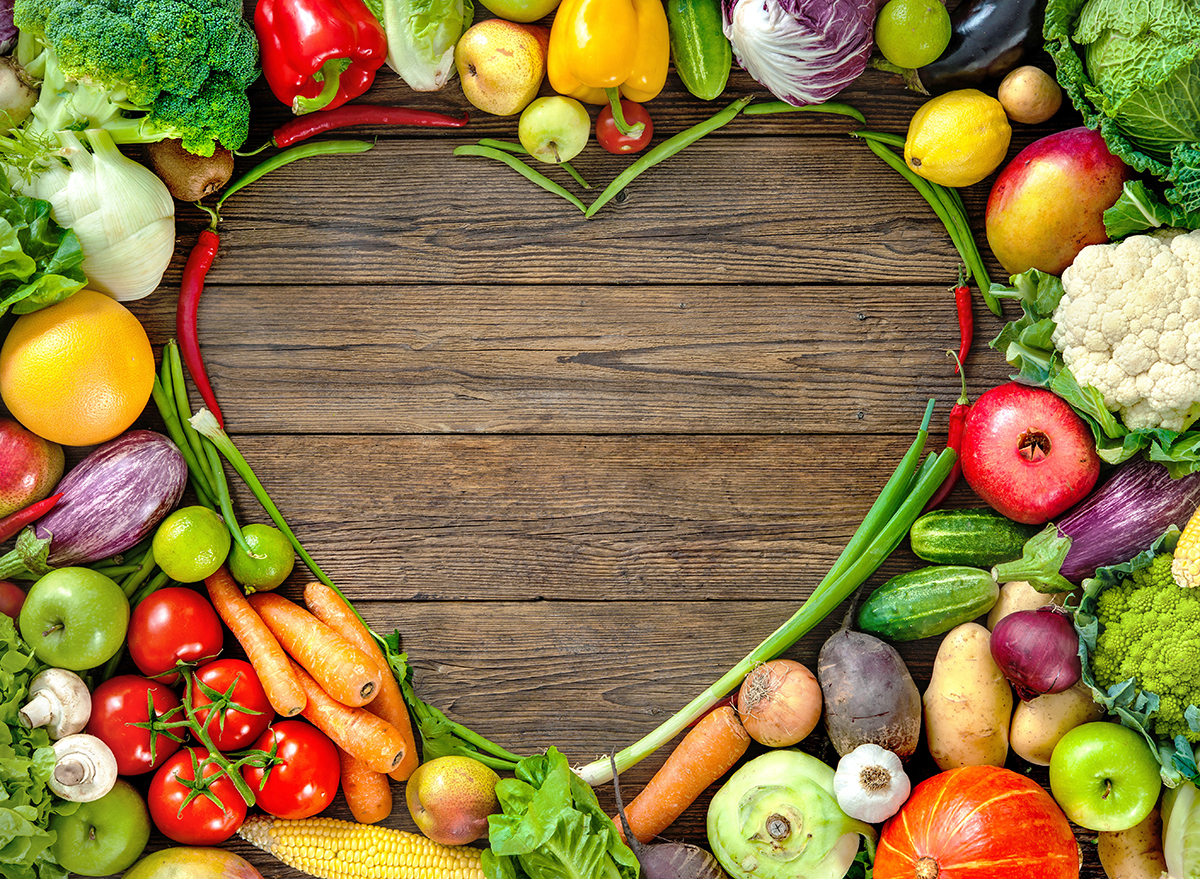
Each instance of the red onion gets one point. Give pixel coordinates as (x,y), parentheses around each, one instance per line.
(1037,650)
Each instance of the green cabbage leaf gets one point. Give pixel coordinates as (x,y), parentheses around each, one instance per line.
(1132,69)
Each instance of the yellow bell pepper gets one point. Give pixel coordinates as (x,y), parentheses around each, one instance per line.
(600,47)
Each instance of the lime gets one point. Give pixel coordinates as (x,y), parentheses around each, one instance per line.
(275,561)
(191,543)
(912,33)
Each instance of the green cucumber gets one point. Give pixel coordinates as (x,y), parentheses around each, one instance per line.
(702,54)
(928,601)
(980,538)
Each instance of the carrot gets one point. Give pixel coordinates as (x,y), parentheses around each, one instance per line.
(341,669)
(356,730)
(327,606)
(264,652)
(368,793)
(706,753)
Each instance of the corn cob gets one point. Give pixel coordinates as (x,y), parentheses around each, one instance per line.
(331,849)
(1186,566)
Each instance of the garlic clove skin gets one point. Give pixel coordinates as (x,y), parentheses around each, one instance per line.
(870,783)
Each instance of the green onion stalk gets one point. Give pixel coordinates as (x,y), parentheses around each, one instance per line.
(883,528)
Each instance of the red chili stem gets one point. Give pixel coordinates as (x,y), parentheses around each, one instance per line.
(14,522)
(966,320)
(195,271)
(957,421)
(311,124)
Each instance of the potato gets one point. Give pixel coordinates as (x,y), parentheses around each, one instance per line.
(1135,853)
(1038,724)
(969,702)
(1029,95)
(1019,595)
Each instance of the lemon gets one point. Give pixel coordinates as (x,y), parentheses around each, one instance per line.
(912,33)
(958,138)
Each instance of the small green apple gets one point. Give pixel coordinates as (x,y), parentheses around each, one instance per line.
(520,10)
(74,618)
(450,798)
(104,836)
(1104,776)
(554,129)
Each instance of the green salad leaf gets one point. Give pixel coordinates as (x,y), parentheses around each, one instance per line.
(552,827)
(1132,69)
(1138,209)
(1027,344)
(26,762)
(40,261)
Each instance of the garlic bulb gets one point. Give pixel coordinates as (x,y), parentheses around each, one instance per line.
(122,213)
(870,783)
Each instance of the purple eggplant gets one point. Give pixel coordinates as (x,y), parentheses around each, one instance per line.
(110,500)
(1125,515)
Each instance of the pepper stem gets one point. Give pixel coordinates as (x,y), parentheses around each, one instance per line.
(614,101)
(330,74)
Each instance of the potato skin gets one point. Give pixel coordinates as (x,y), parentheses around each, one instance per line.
(1135,853)
(1038,724)
(1019,595)
(969,702)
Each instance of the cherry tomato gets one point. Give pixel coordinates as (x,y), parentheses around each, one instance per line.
(123,701)
(611,138)
(201,821)
(235,684)
(171,625)
(307,779)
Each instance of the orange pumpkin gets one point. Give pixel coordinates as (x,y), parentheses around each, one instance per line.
(978,822)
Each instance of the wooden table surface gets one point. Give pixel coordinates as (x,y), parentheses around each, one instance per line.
(584,466)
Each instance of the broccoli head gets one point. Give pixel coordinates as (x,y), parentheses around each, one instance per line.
(1150,632)
(149,58)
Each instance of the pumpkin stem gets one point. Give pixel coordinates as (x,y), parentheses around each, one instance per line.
(926,868)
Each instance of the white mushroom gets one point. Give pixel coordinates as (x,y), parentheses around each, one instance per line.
(59,700)
(85,768)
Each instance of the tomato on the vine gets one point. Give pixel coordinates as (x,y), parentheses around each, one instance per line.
(306,779)
(200,820)
(611,138)
(247,712)
(121,719)
(172,625)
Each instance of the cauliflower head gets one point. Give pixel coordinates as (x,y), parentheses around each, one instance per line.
(1150,632)
(1128,324)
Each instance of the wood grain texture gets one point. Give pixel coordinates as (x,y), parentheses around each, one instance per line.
(584,466)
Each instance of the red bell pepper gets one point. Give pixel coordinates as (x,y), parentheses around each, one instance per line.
(318,54)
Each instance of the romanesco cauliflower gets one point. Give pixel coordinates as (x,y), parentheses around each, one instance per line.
(1128,324)
(1150,631)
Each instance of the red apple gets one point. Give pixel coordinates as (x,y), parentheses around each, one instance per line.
(30,466)
(1048,203)
(1027,453)
(12,597)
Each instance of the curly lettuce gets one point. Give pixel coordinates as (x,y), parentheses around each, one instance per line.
(1132,69)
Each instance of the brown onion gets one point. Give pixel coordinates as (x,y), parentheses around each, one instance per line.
(1038,651)
(779,703)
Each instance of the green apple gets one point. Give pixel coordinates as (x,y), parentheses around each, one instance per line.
(104,836)
(1104,776)
(450,798)
(500,65)
(520,10)
(554,129)
(74,618)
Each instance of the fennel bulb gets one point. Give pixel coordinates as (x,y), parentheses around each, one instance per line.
(122,213)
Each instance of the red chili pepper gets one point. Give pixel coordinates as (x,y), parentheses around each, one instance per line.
(318,54)
(195,271)
(14,522)
(966,320)
(957,420)
(304,127)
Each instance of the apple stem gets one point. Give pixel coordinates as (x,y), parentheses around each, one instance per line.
(614,100)
(1033,446)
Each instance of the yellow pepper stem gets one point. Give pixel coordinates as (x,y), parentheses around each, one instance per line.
(614,101)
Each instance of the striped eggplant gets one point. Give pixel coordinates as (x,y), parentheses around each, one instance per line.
(110,500)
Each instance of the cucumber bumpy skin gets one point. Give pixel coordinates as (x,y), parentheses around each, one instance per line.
(703,56)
